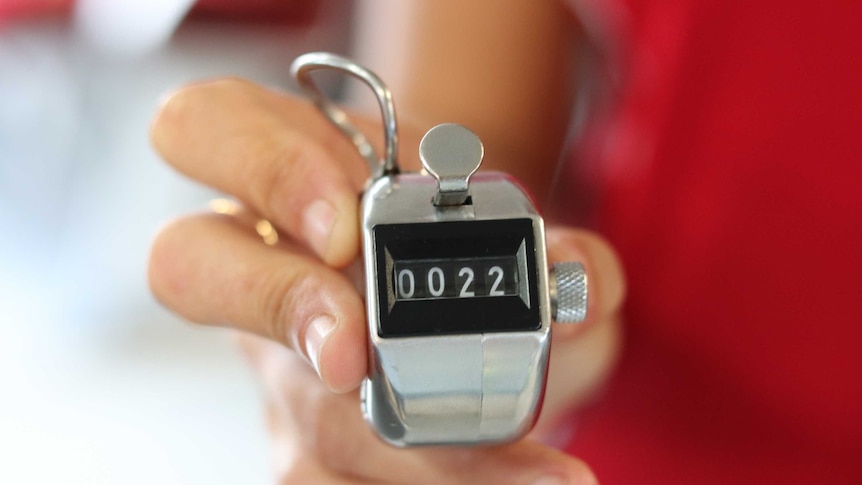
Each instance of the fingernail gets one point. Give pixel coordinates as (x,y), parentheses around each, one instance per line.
(551,480)
(315,335)
(318,219)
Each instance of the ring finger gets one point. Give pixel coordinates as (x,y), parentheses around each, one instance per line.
(213,269)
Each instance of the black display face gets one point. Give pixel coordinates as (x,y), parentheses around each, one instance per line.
(456,277)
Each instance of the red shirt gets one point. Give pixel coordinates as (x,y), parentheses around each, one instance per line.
(729,176)
(730,180)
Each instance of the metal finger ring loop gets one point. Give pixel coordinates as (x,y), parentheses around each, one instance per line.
(301,70)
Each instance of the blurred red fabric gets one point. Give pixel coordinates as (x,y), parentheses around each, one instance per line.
(11,9)
(729,175)
(265,11)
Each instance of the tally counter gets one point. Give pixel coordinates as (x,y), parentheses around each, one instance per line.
(459,294)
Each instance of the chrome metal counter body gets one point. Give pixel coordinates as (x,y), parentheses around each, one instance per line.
(458,292)
(460,388)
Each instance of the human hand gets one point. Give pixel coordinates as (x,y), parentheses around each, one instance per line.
(288,165)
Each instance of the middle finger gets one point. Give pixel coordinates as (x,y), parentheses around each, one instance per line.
(287,163)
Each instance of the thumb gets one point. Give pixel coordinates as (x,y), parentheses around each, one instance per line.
(606,280)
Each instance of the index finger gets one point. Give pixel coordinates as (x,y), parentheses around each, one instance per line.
(288,163)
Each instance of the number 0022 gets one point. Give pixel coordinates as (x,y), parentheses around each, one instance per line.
(420,279)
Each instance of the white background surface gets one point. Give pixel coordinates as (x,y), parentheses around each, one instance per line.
(98,384)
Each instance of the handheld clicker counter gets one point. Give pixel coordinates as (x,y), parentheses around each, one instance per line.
(459,296)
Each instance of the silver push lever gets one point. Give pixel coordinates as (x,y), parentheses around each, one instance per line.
(451,154)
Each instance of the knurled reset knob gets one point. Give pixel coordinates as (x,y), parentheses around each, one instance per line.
(568,285)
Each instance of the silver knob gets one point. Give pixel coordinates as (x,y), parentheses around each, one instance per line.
(568,285)
(451,153)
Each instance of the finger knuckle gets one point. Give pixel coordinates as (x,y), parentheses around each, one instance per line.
(284,299)
(283,173)
(183,103)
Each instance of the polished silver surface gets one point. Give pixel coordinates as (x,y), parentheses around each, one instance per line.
(451,154)
(453,389)
(447,389)
(304,65)
(568,287)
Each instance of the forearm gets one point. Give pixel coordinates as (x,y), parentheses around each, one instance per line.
(503,69)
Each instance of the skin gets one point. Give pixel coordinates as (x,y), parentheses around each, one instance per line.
(296,306)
